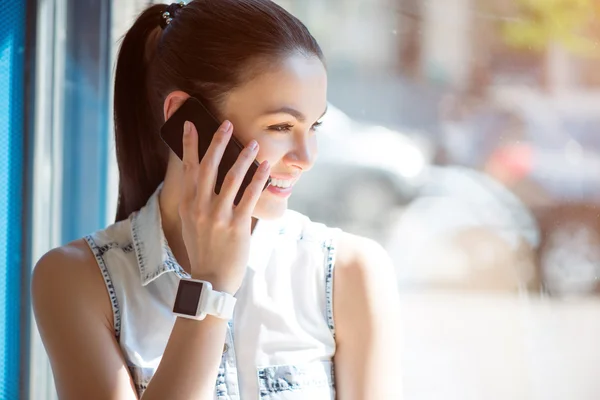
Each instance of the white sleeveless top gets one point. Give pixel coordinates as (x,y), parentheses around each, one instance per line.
(280,342)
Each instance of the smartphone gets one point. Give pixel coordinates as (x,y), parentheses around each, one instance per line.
(206,125)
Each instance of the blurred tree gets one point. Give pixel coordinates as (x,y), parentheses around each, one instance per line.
(542,23)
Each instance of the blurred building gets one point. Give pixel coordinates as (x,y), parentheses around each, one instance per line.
(464,45)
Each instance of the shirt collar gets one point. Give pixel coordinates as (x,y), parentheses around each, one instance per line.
(155,258)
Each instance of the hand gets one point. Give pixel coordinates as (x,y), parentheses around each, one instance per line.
(215,232)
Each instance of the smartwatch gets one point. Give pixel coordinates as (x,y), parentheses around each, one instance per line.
(195,299)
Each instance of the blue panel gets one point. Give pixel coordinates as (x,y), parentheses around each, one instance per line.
(12,32)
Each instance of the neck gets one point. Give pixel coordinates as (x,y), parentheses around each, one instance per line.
(168,200)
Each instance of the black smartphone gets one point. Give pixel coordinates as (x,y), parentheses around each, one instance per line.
(206,125)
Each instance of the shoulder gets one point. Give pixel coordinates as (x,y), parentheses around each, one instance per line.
(364,259)
(67,281)
(365,284)
(74,318)
(72,260)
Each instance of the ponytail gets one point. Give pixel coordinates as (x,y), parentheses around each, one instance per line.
(141,156)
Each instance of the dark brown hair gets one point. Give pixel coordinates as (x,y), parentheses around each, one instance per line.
(209,48)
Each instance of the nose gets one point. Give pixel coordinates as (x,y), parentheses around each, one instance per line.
(303,153)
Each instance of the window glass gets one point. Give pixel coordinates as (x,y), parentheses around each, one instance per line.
(476,163)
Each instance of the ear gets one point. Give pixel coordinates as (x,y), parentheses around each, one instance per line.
(173,101)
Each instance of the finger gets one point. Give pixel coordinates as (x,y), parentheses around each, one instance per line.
(190,163)
(246,206)
(235,176)
(190,144)
(209,165)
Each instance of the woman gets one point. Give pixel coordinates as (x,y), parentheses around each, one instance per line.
(104,304)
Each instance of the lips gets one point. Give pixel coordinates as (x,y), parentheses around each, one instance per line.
(280,192)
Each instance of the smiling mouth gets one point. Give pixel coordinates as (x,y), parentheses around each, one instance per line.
(283,183)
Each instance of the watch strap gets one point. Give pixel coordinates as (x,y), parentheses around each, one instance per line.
(218,304)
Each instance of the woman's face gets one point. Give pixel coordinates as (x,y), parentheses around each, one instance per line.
(281,110)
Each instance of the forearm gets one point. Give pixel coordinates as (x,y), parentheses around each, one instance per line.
(189,366)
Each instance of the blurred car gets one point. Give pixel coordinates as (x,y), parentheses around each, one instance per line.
(465,231)
(569,253)
(559,148)
(363,173)
(546,150)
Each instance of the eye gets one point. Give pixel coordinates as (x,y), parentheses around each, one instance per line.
(281,128)
(316,125)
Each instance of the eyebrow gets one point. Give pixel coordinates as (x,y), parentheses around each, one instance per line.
(293,112)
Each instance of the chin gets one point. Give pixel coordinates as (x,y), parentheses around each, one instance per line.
(269,208)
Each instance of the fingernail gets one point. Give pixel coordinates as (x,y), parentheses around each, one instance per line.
(187,128)
(253,145)
(226,126)
(264,166)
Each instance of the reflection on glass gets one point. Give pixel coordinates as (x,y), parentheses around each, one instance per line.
(427,91)
(465,136)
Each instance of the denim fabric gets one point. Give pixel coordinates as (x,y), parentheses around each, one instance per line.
(295,382)
(280,343)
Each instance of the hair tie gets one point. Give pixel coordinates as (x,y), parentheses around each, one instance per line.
(170,13)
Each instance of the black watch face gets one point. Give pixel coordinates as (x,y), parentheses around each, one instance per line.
(188,297)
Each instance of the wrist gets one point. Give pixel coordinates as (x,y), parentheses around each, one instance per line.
(218,283)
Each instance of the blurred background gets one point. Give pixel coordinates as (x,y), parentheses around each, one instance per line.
(463,135)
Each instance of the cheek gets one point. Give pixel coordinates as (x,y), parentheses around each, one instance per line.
(241,131)
(270,149)
(313,145)
(275,149)
(245,132)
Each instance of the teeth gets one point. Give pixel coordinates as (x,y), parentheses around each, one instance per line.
(281,183)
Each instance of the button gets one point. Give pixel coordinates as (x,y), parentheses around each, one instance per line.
(225,348)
